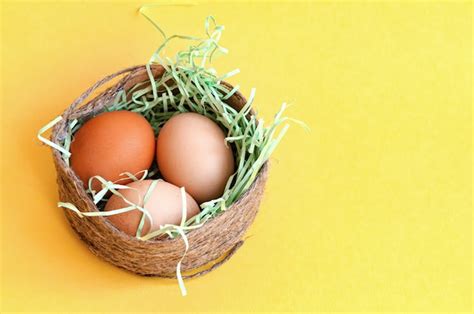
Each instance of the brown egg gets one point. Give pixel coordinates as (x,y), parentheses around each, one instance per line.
(191,152)
(164,205)
(110,144)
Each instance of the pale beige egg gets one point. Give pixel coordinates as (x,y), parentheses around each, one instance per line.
(164,205)
(191,152)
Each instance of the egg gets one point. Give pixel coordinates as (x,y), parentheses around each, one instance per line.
(191,152)
(164,205)
(110,144)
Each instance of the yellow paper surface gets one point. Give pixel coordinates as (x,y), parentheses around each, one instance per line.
(370,211)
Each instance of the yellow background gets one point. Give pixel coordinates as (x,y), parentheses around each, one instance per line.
(371,210)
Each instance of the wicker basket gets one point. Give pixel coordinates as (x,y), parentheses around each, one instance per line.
(209,246)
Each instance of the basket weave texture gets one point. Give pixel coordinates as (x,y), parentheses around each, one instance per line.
(209,246)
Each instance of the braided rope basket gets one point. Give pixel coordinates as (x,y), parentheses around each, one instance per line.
(209,246)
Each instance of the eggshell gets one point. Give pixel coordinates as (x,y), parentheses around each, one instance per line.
(191,152)
(164,205)
(110,144)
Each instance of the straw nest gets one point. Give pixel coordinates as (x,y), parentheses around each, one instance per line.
(209,246)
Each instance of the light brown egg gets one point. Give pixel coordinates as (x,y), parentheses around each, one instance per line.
(191,152)
(164,205)
(110,144)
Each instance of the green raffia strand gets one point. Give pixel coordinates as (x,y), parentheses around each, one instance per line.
(149,191)
(199,89)
(114,187)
